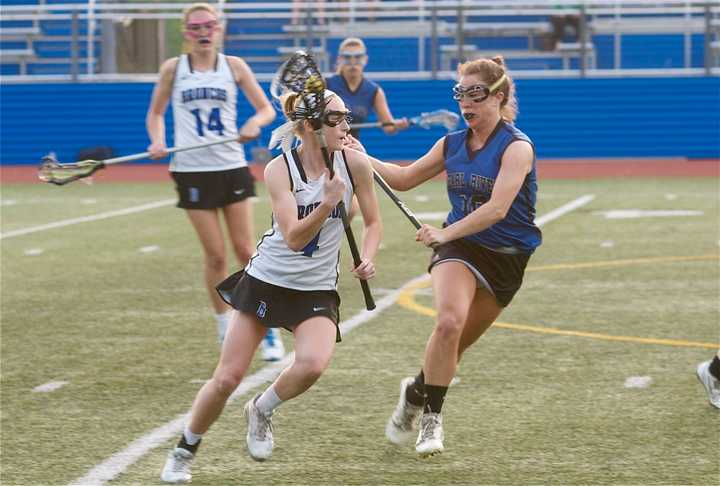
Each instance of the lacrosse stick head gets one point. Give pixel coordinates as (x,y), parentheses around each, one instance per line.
(444,118)
(300,75)
(53,172)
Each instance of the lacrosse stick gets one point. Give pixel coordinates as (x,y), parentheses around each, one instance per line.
(437,118)
(301,75)
(54,172)
(398,202)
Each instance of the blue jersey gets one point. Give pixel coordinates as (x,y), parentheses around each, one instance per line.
(360,102)
(470,181)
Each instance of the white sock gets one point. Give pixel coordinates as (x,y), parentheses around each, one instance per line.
(268,401)
(190,437)
(223,320)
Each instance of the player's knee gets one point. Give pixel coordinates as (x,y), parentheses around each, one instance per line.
(216,263)
(226,382)
(244,253)
(449,326)
(312,367)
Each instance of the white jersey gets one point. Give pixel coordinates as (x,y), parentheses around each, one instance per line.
(315,267)
(205,109)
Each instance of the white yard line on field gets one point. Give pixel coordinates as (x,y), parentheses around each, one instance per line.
(116,464)
(564,209)
(49,386)
(86,219)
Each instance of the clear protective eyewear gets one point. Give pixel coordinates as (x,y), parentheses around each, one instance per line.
(352,57)
(477,92)
(334,118)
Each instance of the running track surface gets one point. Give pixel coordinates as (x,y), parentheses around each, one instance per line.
(547,169)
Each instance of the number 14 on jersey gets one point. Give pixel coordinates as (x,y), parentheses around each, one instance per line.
(214,122)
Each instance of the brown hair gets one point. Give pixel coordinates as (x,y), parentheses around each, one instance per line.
(490,71)
(194,8)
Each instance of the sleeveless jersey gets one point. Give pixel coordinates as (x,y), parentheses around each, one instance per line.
(205,109)
(359,102)
(315,267)
(470,181)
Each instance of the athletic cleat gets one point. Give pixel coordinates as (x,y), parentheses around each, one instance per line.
(402,426)
(430,438)
(177,466)
(271,346)
(712,385)
(259,431)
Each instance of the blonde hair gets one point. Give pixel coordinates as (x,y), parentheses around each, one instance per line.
(490,71)
(194,8)
(290,102)
(352,41)
(349,42)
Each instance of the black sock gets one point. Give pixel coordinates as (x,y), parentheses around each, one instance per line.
(184,445)
(435,398)
(715,367)
(415,392)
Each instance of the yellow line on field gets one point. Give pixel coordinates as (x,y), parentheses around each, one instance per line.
(407,300)
(617,263)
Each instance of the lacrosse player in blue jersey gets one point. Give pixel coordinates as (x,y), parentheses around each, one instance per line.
(481,252)
(361,95)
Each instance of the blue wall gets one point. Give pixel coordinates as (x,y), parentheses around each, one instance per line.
(638,117)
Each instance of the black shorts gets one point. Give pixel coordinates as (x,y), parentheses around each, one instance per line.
(276,306)
(500,273)
(215,189)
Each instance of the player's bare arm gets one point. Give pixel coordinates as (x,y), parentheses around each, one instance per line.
(516,163)
(155,118)
(370,210)
(298,232)
(264,112)
(404,178)
(381,107)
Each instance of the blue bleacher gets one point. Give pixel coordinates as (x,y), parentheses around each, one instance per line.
(637,51)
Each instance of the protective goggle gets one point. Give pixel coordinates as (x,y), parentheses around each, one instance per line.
(198,26)
(334,118)
(351,57)
(477,92)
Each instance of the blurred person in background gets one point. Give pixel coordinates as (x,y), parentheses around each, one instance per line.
(565,27)
(202,86)
(362,96)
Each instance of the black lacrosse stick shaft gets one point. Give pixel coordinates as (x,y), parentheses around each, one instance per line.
(369,301)
(301,75)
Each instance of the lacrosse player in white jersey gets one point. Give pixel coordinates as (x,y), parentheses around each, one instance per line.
(291,280)
(203,87)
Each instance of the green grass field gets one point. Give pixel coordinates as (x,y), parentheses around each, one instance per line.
(541,398)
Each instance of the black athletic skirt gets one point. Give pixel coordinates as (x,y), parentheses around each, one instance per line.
(500,273)
(276,306)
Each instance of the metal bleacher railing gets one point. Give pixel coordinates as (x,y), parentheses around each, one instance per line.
(405,38)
